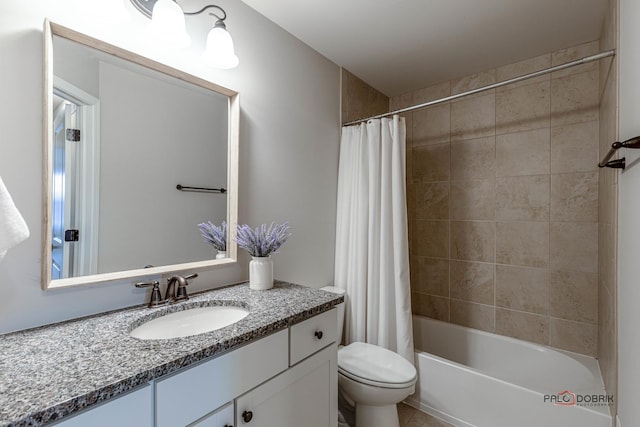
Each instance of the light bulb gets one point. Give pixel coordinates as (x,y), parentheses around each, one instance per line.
(167,26)
(219,52)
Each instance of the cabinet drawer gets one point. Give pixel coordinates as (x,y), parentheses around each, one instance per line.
(311,335)
(305,395)
(193,393)
(132,409)
(223,417)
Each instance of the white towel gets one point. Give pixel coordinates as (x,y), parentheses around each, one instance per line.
(13,229)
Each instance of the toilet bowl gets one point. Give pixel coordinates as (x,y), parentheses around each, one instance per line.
(372,378)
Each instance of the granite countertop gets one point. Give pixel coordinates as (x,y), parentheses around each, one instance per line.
(56,370)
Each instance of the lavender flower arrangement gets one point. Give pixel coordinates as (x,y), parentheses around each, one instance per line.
(263,241)
(214,235)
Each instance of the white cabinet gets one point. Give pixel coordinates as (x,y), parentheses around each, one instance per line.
(287,379)
(223,417)
(303,396)
(189,395)
(311,335)
(131,410)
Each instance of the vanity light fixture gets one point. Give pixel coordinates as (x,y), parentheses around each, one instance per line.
(168,27)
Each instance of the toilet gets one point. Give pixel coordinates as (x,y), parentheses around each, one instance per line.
(372,378)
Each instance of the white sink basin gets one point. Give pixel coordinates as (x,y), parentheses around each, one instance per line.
(189,322)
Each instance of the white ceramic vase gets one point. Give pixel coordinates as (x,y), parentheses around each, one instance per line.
(221,254)
(261,273)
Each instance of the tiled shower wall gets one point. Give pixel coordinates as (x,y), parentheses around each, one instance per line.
(359,100)
(608,212)
(503,202)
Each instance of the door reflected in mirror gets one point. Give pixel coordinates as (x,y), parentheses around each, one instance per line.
(122,138)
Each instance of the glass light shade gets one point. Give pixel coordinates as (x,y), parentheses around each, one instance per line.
(167,27)
(219,52)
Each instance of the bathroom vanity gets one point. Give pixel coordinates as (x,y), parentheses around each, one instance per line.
(275,367)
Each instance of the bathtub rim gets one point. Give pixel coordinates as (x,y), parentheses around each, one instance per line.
(590,363)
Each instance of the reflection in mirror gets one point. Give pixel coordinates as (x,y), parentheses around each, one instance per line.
(123,133)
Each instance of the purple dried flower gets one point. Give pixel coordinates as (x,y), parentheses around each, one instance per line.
(214,235)
(262,241)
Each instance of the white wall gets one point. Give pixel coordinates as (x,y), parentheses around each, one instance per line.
(141,165)
(288,146)
(628,225)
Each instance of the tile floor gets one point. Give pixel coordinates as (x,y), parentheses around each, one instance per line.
(410,417)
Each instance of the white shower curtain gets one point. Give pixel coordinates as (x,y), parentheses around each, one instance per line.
(372,250)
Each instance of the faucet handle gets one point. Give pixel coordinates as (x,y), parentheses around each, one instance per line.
(156,298)
(181,292)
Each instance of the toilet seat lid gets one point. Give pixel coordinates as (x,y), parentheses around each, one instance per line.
(371,364)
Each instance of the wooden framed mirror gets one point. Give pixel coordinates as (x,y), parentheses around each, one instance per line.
(121,135)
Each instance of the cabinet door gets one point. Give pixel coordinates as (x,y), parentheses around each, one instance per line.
(305,395)
(191,394)
(223,417)
(131,410)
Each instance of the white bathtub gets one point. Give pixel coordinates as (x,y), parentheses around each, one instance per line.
(474,378)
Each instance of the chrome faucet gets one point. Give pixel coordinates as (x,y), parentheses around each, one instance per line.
(172,293)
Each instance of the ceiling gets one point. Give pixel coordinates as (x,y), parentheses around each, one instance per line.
(400,45)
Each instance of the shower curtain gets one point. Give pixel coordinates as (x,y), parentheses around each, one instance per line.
(372,250)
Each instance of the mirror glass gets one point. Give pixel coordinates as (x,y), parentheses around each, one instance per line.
(138,154)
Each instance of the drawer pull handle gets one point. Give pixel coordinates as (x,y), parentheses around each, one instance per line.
(318,334)
(227,425)
(247,416)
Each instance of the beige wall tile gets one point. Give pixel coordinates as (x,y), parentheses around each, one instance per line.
(573,336)
(431,239)
(472,281)
(477,316)
(522,243)
(430,306)
(607,334)
(574,296)
(522,198)
(430,93)
(574,148)
(473,117)
(523,153)
(473,200)
(523,108)
(521,68)
(401,101)
(411,200)
(432,200)
(607,339)
(462,178)
(523,289)
(360,100)
(574,246)
(473,81)
(432,125)
(473,241)
(473,159)
(430,276)
(524,326)
(408,119)
(574,197)
(432,163)
(574,98)
(574,53)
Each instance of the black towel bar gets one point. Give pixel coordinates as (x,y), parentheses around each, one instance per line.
(201,189)
(618,163)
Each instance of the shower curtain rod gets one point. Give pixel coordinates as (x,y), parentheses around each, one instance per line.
(584,60)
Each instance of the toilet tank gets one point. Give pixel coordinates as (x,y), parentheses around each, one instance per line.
(340,307)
